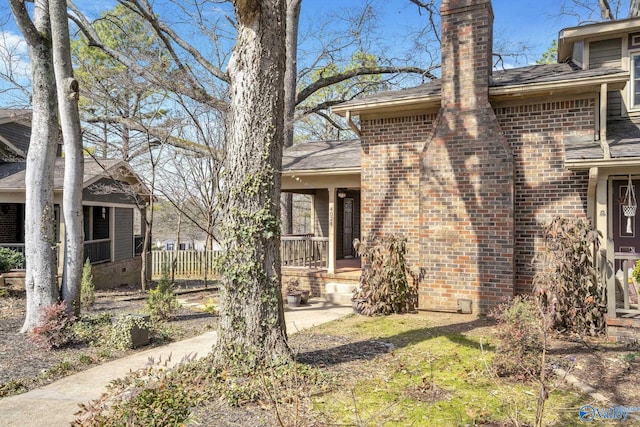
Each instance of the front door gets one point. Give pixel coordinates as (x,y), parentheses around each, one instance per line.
(626,237)
(347,228)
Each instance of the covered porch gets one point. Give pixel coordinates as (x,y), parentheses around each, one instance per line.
(328,185)
(619,243)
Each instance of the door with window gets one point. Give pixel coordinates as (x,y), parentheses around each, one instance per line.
(625,229)
(347,228)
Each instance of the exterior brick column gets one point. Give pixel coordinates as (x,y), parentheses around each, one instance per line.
(466,174)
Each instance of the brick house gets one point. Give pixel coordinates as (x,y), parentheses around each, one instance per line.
(113,201)
(469,166)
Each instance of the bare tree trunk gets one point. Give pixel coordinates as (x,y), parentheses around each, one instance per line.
(40,240)
(68,94)
(251,327)
(174,261)
(290,80)
(634,8)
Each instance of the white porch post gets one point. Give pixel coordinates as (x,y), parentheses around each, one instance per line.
(332,231)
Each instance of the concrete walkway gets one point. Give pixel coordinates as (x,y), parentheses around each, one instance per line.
(55,404)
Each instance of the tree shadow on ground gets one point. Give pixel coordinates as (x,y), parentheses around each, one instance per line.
(334,350)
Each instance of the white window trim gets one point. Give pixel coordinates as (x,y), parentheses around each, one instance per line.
(632,71)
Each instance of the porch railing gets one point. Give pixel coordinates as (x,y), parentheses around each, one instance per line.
(304,251)
(619,301)
(18,247)
(97,250)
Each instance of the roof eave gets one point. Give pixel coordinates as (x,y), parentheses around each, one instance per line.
(328,171)
(584,164)
(513,90)
(568,36)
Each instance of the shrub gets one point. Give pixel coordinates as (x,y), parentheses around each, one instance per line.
(384,288)
(87,288)
(520,338)
(567,282)
(10,259)
(121,336)
(162,302)
(55,328)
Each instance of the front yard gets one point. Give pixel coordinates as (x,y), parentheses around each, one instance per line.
(414,369)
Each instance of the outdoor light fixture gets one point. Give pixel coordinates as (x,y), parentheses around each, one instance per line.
(342,193)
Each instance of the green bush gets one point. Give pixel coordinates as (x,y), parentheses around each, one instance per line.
(384,288)
(162,302)
(87,288)
(10,259)
(520,338)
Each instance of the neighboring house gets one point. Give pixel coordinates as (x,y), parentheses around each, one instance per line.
(468,167)
(185,245)
(113,197)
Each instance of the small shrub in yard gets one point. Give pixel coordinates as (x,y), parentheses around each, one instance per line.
(162,302)
(384,288)
(55,330)
(520,339)
(87,288)
(9,259)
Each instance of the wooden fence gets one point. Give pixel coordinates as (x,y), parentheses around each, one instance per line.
(187,264)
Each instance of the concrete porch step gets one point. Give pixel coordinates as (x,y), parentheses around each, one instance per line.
(339,293)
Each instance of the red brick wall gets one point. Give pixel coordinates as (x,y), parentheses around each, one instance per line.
(390,179)
(544,188)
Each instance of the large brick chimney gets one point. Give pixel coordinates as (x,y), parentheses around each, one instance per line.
(466,177)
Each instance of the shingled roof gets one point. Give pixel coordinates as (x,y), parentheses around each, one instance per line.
(12,174)
(522,76)
(322,155)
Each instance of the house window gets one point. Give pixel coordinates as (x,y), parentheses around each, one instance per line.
(635,81)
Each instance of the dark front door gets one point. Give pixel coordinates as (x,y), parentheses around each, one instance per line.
(626,236)
(347,228)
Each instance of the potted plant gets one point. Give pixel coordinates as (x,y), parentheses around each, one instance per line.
(9,259)
(294,295)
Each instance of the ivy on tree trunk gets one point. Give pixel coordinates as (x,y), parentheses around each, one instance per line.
(252,329)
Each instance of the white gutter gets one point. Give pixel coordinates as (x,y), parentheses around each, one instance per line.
(602,163)
(306,172)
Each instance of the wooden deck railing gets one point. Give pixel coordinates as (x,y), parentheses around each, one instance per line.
(304,251)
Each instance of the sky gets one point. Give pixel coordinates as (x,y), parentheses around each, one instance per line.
(534,23)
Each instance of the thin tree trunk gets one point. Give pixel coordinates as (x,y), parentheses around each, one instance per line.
(251,327)
(290,80)
(40,240)
(68,94)
(634,8)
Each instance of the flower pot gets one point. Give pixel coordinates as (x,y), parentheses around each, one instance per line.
(304,297)
(293,299)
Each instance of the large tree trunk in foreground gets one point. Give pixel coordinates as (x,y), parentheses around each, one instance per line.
(252,329)
(68,93)
(40,240)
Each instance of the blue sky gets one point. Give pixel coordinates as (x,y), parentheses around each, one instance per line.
(534,23)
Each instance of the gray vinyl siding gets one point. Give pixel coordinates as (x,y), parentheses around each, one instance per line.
(605,53)
(123,234)
(321,209)
(614,104)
